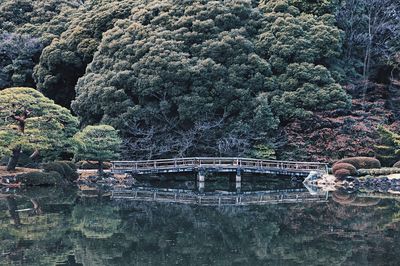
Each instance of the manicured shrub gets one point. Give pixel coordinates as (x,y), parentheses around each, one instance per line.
(347,166)
(62,168)
(69,173)
(362,162)
(53,167)
(397,164)
(342,173)
(41,179)
(70,164)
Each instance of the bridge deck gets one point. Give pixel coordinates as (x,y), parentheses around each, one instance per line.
(209,164)
(213,199)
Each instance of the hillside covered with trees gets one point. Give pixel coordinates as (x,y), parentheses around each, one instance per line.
(289,79)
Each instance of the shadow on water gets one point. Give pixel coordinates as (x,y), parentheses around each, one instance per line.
(224,182)
(47,226)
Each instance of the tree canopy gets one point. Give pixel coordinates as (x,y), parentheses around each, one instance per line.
(30,122)
(196,65)
(26,27)
(99,143)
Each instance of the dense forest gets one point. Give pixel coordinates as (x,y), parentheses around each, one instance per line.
(289,79)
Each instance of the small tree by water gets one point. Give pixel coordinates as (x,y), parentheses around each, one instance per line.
(30,122)
(99,143)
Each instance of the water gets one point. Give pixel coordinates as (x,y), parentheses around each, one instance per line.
(48,226)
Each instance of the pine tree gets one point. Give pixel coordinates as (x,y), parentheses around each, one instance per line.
(31,122)
(98,143)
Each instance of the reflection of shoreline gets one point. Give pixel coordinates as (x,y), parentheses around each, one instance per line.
(218,198)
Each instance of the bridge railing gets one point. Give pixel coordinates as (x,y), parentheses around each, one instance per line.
(227,162)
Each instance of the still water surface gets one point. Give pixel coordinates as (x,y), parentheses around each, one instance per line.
(50,226)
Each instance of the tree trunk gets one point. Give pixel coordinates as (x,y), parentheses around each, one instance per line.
(100,169)
(13,161)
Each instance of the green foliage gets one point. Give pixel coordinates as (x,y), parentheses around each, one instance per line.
(316,7)
(304,89)
(93,221)
(66,58)
(18,54)
(26,27)
(389,148)
(99,143)
(33,122)
(25,16)
(199,77)
(41,179)
(263,152)
(62,168)
(71,165)
(207,77)
(301,48)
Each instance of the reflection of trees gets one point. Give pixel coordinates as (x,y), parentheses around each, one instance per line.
(99,232)
(39,238)
(95,220)
(169,234)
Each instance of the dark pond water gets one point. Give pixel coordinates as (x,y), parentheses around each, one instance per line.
(48,226)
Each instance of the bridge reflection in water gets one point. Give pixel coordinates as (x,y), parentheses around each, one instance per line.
(218,198)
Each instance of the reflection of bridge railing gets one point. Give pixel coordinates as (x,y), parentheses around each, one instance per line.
(218,165)
(218,198)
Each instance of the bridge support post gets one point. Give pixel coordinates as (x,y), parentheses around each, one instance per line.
(238,178)
(201,176)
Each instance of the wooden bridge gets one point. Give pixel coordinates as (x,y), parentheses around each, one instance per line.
(218,198)
(203,165)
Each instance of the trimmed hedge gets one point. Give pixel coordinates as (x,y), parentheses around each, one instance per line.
(41,179)
(62,168)
(397,165)
(347,166)
(69,173)
(53,167)
(72,165)
(362,162)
